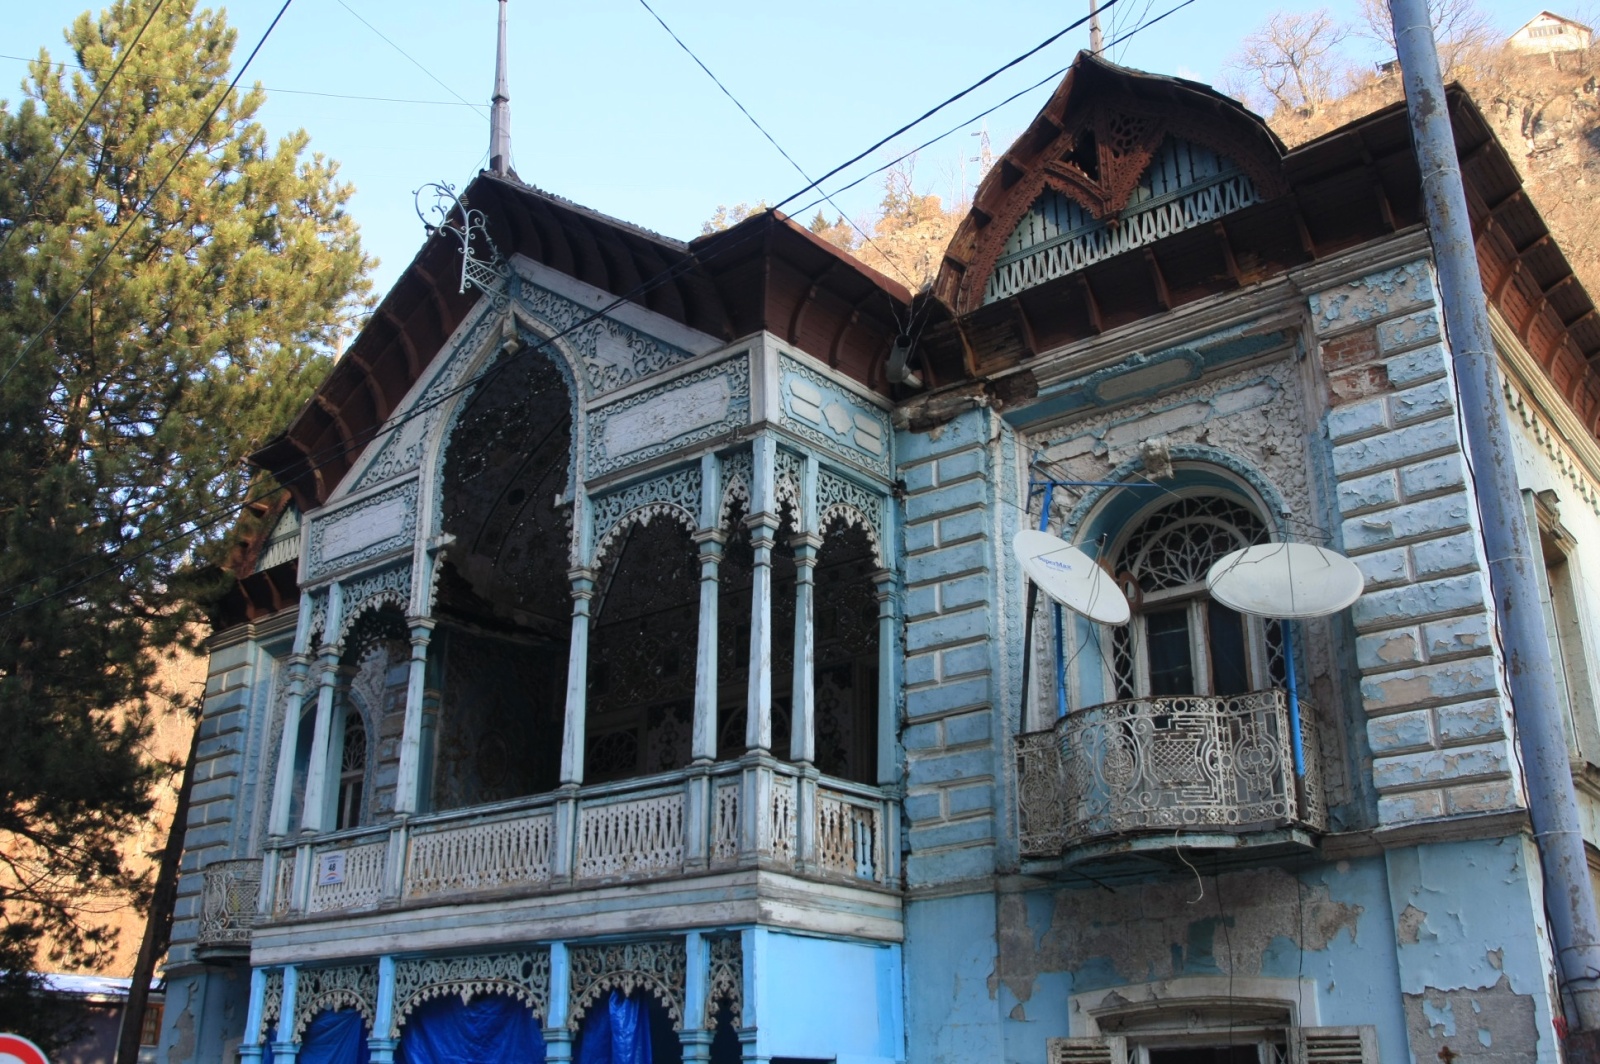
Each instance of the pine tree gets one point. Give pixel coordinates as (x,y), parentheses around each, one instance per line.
(124,423)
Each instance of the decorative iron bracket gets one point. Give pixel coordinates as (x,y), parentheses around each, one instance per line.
(469,227)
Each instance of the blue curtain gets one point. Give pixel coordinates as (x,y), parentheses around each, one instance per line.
(494,1029)
(618,1033)
(333,1037)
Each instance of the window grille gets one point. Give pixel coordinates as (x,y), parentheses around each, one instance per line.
(1179,642)
(352,771)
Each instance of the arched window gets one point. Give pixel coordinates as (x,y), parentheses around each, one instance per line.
(352,771)
(1179,641)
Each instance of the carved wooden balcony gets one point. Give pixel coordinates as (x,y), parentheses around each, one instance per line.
(757,813)
(1188,771)
(228,904)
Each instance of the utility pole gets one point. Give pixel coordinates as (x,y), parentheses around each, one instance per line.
(1095,43)
(1511,551)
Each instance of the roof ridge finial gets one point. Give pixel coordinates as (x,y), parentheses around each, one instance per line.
(500,108)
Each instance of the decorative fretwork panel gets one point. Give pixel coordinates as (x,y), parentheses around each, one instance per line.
(850,836)
(674,495)
(271,1003)
(1185,186)
(371,592)
(228,902)
(466,858)
(638,836)
(725,822)
(522,976)
(352,986)
(784,819)
(1041,810)
(360,883)
(283,887)
(844,502)
(1179,763)
(738,480)
(659,968)
(725,985)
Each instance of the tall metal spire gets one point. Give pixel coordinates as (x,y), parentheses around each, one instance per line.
(500,109)
(1095,44)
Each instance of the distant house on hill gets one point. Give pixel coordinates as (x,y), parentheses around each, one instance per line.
(1548,32)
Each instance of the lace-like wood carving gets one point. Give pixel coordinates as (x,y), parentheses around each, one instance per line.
(726,982)
(353,986)
(523,977)
(658,967)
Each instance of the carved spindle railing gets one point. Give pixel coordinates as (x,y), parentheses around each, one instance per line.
(359,883)
(490,855)
(725,823)
(850,835)
(228,903)
(632,836)
(784,819)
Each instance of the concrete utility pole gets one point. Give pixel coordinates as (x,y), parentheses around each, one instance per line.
(1512,555)
(1095,43)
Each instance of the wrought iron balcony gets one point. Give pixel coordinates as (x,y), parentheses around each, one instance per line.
(1174,766)
(228,905)
(723,817)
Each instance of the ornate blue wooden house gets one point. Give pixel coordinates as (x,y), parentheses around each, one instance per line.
(638,657)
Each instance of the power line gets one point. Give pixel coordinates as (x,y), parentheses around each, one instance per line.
(773,141)
(413,61)
(941,106)
(105,86)
(987,112)
(139,211)
(64,65)
(204,518)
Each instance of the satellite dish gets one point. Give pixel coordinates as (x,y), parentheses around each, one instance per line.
(1070,576)
(1292,581)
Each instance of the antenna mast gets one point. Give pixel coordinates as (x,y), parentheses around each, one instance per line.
(500,109)
(1096,45)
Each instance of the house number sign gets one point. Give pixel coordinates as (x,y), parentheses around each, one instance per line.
(330,869)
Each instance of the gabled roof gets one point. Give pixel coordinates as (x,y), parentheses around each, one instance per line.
(1558,18)
(1356,184)
(765,273)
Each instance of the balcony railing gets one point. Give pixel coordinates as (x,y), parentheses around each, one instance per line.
(228,904)
(1188,764)
(754,813)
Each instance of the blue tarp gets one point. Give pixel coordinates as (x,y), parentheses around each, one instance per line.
(332,1037)
(619,1033)
(494,1029)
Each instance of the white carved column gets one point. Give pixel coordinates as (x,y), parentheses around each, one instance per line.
(572,734)
(557,1035)
(888,764)
(284,1047)
(803,713)
(763,525)
(380,1045)
(250,1049)
(314,817)
(407,796)
(299,666)
(709,538)
(694,1035)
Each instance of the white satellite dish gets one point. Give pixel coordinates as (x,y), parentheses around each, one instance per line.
(1070,576)
(1291,581)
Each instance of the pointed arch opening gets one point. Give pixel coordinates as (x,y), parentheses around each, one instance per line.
(498,656)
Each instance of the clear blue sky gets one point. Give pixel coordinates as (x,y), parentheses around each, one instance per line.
(607,111)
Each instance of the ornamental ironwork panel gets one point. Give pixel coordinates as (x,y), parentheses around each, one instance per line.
(353,986)
(725,984)
(228,902)
(1184,763)
(1041,812)
(659,967)
(523,976)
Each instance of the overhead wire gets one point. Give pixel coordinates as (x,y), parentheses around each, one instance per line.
(198,520)
(66,145)
(140,210)
(62,64)
(912,284)
(413,60)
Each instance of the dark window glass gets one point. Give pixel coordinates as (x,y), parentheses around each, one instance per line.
(1167,640)
(1230,672)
